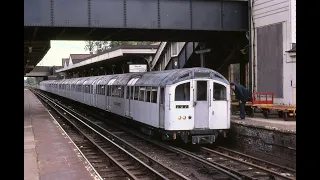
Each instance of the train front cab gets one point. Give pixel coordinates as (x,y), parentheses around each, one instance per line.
(201,106)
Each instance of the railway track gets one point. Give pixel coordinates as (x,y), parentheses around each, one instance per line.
(245,166)
(248,165)
(110,160)
(177,158)
(211,162)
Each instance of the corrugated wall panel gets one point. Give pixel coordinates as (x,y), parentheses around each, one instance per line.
(270,59)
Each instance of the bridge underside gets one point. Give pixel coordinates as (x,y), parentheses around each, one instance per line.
(34,51)
(128,20)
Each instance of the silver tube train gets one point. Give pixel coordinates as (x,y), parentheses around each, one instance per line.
(190,104)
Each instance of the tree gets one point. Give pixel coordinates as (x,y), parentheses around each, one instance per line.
(94,46)
(31,81)
(89,46)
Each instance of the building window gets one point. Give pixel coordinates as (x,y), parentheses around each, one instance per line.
(174,49)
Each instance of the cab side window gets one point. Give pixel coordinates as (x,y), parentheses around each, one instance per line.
(182,92)
(219,92)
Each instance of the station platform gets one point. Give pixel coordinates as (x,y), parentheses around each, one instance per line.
(48,152)
(274,124)
(273,138)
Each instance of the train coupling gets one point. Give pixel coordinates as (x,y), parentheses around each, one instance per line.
(203,139)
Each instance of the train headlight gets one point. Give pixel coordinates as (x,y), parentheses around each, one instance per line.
(184,117)
(179,117)
(189,117)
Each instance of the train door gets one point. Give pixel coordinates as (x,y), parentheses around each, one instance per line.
(108,97)
(161,109)
(201,104)
(93,95)
(219,115)
(127,100)
(93,98)
(97,95)
(110,89)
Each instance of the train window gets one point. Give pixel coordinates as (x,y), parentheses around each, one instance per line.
(136,92)
(141,93)
(109,90)
(154,92)
(86,89)
(132,91)
(121,91)
(161,95)
(102,90)
(182,92)
(114,91)
(202,90)
(128,92)
(219,92)
(148,94)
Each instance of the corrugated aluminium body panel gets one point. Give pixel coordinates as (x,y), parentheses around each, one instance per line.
(155,78)
(270,59)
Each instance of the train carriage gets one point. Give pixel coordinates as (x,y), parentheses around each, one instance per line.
(191,104)
(89,89)
(74,89)
(81,89)
(103,91)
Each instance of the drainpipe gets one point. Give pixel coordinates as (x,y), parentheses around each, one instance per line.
(250,50)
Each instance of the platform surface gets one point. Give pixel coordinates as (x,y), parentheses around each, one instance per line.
(276,124)
(48,153)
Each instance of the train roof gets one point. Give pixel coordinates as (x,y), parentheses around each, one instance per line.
(153,78)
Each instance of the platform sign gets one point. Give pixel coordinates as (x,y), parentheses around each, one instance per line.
(137,68)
